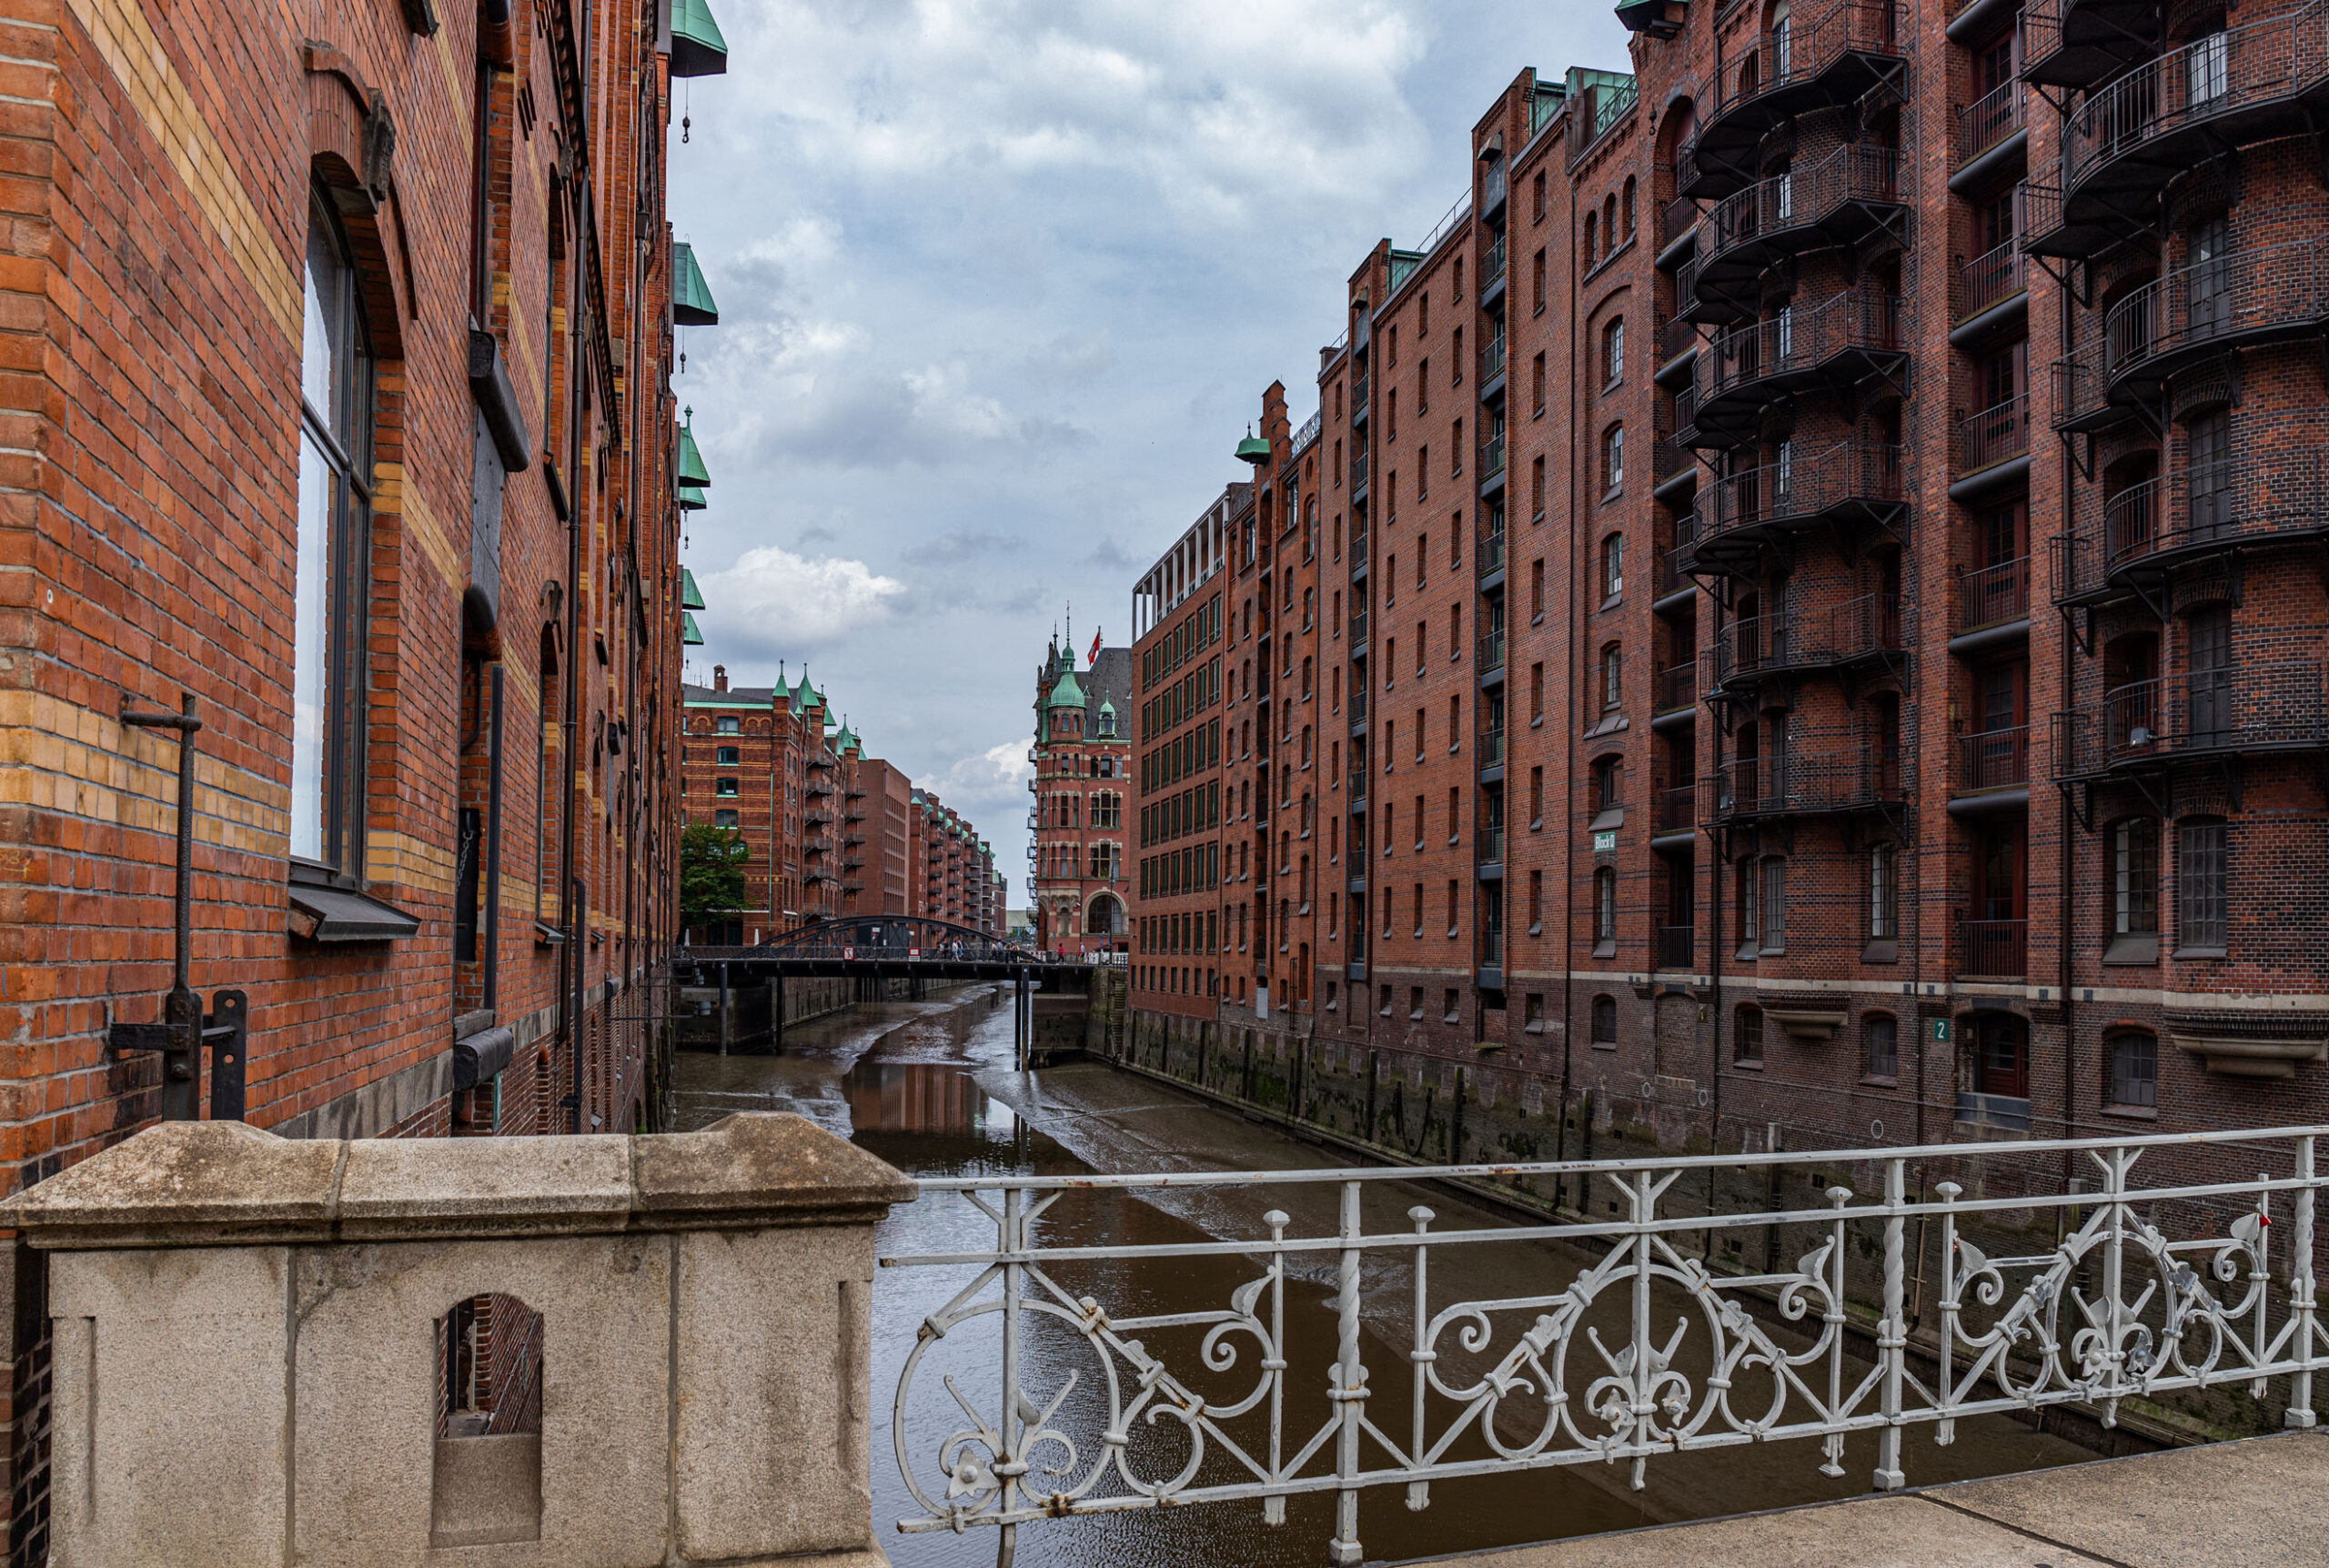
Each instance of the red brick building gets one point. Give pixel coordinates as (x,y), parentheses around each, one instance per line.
(1703,579)
(949,868)
(340,343)
(1079,874)
(829,832)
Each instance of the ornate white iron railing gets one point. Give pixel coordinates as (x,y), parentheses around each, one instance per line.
(1645,1349)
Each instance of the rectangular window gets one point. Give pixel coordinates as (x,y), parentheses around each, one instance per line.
(1536,384)
(1882,894)
(2200,878)
(2134,1070)
(1536,694)
(1535,902)
(2134,878)
(1536,797)
(1747,1037)
(1536,490)
(1774,905)
(1537,590)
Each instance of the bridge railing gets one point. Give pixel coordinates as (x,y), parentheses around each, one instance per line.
(1650,1324)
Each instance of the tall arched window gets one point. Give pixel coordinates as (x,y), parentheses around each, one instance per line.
(329,673)
(1605,908)
(1589,231)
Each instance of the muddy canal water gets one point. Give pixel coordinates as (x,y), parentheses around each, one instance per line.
(928,1087)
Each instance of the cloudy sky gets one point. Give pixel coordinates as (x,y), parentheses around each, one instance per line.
(1000,282)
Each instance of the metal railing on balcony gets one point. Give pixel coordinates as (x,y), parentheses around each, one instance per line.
(1994,759)
(1359,781)
(1792,638)
(1988,280)
(1492,361)
(2223,72)
(1358,469)
(1678,338)
(1793,783)
(1491,458)
(1359,706)
(1492,265)
(1998,949)
(1678,686)
(1358,547)
(1677,810)
(1667,575)
(1798,488)
(1998,433)
(1804,50)
(1489,844)
(1667,459)
(1855,173)
(1491,652)
(1491,745)
(1676,947)
(1358,625)
(1798,340)
(2254,498)
(1358,383)
(1987,121)
(1994,595)
(1675,219)
(2245,709)
(1490,556)
(2221,299)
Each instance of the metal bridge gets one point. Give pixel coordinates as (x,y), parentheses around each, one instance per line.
(892,947)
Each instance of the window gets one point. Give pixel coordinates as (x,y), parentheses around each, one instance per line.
(1883,893)
(1879,1047)
(1775,905)
(1627,209)
(1613,566)
(1613,460)
(1536,190)
(1536,694)
(1613,678)
(1537,590)
(2134,1070)
(1605,1021)
(2134,878)
(1589,219)
(723,786)
(1604,911)
(728,724)
(1608,783)
(1536,797)
(1747,1037)
(328,675)
(1535,902)
(1613,351)
(724,819)
(1536,490)
(729,757)
(2200,888)
(1745,885)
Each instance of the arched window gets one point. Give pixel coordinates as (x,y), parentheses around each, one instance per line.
(1746,1035)
(1613,460)
(1610,220)
(1613,350)
(1589,230)
(1613,566)
(328,672)
(1879,1047)
(2133,1061)
(1605,1021)
(1605,908)
(2134,870)
(1883,893)
(1628,207)
(1774,871)
(1613,678)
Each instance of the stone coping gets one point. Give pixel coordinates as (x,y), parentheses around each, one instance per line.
(225,1183)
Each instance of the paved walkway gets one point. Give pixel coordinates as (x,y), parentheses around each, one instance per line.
(2227,1505)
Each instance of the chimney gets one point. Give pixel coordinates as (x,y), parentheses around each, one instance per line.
(719,678)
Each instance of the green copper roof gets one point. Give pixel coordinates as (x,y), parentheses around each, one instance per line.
(1253,448)
(1067,692)
(698,49)
(691,596)
(689,634)
(846,740)
(691,470)
(691,301)
(691,499)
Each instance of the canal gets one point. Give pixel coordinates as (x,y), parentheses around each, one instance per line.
(929,1086)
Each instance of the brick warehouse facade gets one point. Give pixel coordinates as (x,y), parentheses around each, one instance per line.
(1705,682)
(829,832)
(1080,830)
(339,351)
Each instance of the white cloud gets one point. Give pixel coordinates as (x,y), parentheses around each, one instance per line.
(772,602)
(987,787)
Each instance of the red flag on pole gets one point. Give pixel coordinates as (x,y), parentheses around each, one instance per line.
(1093,656)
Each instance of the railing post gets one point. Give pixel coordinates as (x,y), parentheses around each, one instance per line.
(1945,1430)
(1422,1356)
(1893,1334)
(1274,1507)
(1008,1465)
(2114,1326)
(2301,1306)
(1349,1386)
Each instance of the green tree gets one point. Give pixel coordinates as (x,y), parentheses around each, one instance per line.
(712,872)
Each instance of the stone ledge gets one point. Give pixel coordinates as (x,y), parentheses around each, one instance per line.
(223,1183)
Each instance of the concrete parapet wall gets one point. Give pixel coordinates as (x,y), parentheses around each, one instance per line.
(254,1357)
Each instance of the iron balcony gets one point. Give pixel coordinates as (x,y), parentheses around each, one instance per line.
(1831,347)
(2126,544)
(1838,200)
(1992,949)
(1982,444)
(1734,517)
(2197,312)
(2264,80)
(2148,725)
(1992,595)
(1827,57)
(1755,648)
(1792,784)
(1991,759)
(2077,43)
(1986,126)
